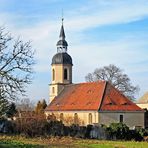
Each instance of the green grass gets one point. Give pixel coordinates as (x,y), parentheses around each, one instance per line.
(65,142)
(96,146)
(115,144)
(17,144)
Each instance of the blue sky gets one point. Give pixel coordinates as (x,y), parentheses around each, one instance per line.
(99,33)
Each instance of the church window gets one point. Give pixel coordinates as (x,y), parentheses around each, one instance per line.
(53,90)
(61,116)
(53,74)
(90,118)
(65,74)
(75,118)
(121,118)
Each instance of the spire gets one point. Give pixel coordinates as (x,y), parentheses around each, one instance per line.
(62,44)
(62,33)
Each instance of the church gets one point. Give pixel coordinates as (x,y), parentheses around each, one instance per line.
(86,103)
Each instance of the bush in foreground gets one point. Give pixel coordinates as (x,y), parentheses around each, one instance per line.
(33,125)
(118,131)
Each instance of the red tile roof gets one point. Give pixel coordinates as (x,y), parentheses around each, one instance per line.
(91,96)
(114,100)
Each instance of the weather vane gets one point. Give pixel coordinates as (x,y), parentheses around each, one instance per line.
(62,16)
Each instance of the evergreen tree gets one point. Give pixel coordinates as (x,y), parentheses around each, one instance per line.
(11,110)
(7,109)
(44,104)
(4,104)
(41,105)
(38,107)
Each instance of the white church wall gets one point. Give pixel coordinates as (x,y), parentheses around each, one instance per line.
(131,119)
(83,116)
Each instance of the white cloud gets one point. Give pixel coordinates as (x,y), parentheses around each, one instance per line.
(113,13)
(124,51)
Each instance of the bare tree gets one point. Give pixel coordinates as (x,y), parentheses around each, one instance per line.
(116,77)
(16,60)
(25,105)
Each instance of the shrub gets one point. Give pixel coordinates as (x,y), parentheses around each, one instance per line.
(55,128)
(118,131)
(6,126)
(31,124)
(73,130)
(88,130)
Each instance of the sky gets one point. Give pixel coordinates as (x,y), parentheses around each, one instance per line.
(99,33)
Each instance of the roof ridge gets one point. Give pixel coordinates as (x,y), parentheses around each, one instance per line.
(102,98)
(100,81)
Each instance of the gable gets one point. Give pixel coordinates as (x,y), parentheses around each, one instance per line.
(114,100)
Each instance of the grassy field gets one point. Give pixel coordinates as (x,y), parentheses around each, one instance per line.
(65,142)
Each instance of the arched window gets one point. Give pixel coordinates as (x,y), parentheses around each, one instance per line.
(61,116)
(53,74)
(53,90)
(121,118)
(90,118)
(75,118)
(65,74)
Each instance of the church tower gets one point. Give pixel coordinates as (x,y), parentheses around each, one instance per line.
(61,67)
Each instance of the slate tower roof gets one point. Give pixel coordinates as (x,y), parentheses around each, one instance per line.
(62,57)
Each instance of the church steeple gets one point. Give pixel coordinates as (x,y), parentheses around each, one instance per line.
(61,67)
(62,32)
(62,43)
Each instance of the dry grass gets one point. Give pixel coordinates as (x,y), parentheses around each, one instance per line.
(68,142)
